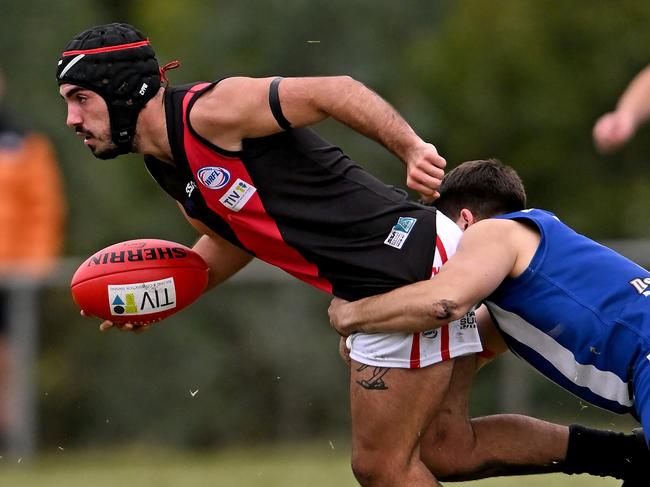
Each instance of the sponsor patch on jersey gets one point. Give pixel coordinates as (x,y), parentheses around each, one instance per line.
(238,195)
(142,298)
(213,177)
(400,232)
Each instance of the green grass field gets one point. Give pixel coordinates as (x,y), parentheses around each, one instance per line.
(289,466)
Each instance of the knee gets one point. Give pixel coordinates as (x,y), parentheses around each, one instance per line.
(375,469)
(367,469)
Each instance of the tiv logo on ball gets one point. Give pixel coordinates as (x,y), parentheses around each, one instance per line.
(142,298)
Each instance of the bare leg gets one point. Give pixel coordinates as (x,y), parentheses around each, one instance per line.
(390,409)
(457,448)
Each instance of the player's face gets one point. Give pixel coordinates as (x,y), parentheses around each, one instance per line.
(88,116)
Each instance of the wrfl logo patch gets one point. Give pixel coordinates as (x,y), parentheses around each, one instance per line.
(213,177)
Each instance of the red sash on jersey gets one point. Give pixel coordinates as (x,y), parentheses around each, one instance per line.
(252,225)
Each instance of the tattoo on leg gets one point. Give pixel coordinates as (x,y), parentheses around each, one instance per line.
(376,382)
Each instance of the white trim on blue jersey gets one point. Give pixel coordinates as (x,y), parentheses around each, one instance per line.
(601,382)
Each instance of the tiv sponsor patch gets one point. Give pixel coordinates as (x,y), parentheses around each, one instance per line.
(400,232)
(142,298)
(238,195)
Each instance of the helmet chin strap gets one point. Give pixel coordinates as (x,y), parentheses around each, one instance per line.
(123,139)
(123,116)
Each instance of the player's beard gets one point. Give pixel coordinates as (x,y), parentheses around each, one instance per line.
(106,148)
(109,152)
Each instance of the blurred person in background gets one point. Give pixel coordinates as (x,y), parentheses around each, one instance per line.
(254,181)
(31,222)
(616,128)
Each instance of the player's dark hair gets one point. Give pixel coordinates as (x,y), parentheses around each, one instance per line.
(485,187)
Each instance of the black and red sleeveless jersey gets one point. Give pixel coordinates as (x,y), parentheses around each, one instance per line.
(299,203)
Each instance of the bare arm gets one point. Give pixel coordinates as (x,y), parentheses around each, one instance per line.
(614,129)
(238,108)
(351,103)
(488,252)
(223,258)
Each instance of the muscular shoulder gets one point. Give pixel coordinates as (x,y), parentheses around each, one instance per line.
(495,228)
(223,115)
(504,228)
(220,106)
(517,239)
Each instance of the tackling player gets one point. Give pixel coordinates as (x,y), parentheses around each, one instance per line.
(575,310)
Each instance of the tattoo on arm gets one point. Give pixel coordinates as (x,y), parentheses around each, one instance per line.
(376,380)
(443,309)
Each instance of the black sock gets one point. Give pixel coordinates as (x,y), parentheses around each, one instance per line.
(603,453)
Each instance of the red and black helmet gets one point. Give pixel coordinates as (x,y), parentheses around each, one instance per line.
(117,62)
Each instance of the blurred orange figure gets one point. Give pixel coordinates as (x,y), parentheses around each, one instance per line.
(32,211)
(31,203)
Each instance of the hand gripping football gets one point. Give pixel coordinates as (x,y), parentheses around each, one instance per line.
(139,281)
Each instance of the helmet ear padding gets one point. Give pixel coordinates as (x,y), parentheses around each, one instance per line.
(117,62)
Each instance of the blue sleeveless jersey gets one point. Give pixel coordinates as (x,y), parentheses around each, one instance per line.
(578,314)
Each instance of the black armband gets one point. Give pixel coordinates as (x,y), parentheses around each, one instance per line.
(274,102)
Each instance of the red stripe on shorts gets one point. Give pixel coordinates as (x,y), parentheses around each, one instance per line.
(444,342)
(415,352)
(444,336)
(444,330)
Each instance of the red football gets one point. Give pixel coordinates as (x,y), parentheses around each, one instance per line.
(139,281)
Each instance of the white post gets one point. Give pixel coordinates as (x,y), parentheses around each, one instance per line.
(22,316)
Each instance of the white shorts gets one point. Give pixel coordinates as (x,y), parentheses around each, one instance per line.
(415,350)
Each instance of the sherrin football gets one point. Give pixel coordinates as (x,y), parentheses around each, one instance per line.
(139,281)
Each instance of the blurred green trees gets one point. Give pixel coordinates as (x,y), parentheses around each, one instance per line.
(524,82)
(519,80)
